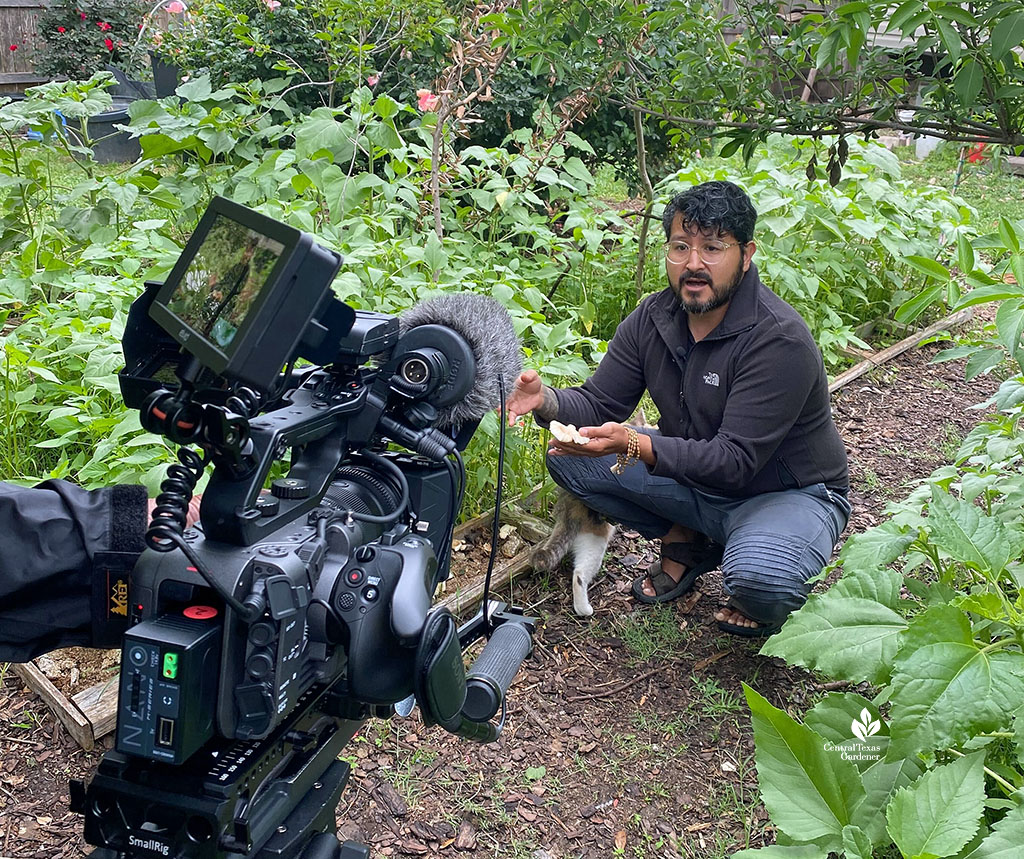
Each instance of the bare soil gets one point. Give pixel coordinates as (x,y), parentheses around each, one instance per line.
(626,733)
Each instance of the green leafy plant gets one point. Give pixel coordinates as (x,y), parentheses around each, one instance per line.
(929,610)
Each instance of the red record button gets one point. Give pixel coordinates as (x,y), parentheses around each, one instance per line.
(200,612)
(355,577)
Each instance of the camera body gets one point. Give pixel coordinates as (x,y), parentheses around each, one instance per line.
(300,606)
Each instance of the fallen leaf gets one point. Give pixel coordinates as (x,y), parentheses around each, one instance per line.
(620,839)
(728,767)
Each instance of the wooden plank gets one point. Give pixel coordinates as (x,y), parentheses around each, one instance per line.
(69,715)
(467,596)
(22,78)
(887,354)
(99,705)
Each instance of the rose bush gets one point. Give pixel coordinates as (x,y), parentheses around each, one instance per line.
(80,37)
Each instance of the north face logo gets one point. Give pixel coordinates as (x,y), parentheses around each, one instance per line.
(711,379)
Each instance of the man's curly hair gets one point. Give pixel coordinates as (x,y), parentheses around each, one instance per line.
(715,207)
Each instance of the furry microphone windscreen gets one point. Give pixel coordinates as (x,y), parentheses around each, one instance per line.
(487,327)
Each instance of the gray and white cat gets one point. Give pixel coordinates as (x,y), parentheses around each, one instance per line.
(586,534)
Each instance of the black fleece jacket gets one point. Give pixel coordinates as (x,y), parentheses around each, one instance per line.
(744,411)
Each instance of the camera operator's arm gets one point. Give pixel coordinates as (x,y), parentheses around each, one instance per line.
(65,553)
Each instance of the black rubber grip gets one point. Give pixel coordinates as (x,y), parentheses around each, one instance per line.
(491,674)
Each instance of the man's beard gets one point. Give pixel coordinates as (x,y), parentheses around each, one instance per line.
(719,295)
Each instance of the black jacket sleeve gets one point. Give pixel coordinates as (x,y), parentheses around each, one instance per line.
(64,557)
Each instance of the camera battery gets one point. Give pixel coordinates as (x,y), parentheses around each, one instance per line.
(167,699)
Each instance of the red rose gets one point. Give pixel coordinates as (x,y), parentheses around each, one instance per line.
(103,25)
(82,15)
(60,29)
(14,47)
(109,44)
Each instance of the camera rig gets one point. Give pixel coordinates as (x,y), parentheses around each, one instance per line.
(300,606)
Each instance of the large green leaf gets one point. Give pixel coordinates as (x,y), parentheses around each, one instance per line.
(967,82)
(1008,35)
(321,130)
(1010,325)
(845,636)
(946,687)
(940,812)
(875,548)
(811,793)
(1005,839)
(880,780)
(929,267)
(964,531)
(856,843)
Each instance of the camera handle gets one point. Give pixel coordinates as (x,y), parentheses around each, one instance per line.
(446,697)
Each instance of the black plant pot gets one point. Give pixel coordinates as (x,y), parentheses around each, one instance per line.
(112,144)
(165,75)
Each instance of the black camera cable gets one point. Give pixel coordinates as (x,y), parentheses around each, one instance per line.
(167,527)
(496,524)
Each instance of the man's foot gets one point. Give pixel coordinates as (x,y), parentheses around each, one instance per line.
(677,571)
(736,623)
(664,569)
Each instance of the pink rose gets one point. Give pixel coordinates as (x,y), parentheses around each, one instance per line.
(272,4)
(175,7)
(427,100)
(373,80)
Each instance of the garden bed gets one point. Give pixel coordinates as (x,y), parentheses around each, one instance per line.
(627,727)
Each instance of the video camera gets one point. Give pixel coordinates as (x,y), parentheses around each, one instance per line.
(262,639)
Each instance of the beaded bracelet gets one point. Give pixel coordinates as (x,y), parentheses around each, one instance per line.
(632,454)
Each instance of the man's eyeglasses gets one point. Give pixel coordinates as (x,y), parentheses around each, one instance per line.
(711,253)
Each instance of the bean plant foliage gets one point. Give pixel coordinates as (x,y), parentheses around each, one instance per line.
(518,221)
(929,611)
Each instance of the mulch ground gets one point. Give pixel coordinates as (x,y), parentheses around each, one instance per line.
(626,733)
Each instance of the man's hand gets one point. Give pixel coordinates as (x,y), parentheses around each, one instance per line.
(607,438)
(193,509)
(527,395)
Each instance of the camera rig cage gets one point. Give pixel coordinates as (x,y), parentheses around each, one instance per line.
(262,639)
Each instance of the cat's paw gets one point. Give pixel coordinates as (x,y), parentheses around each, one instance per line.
(581,603)
(584,609)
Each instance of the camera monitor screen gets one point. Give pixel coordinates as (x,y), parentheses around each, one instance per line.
(244,293)
(224,280)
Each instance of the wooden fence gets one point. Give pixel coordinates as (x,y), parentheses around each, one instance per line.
(18,41)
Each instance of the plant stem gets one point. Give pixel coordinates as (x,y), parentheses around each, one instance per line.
(998,779)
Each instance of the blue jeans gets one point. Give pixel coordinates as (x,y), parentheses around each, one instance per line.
(773,542)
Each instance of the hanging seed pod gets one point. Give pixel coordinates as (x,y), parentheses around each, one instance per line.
(811,171)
